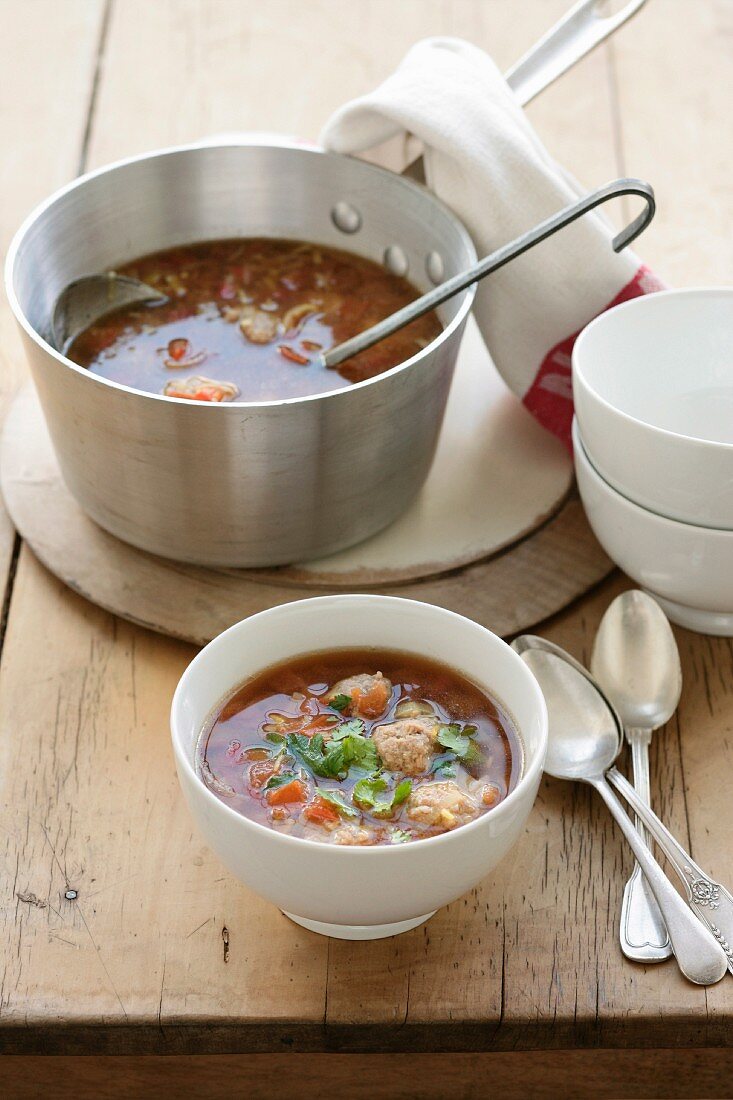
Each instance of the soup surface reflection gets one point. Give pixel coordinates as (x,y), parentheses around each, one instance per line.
(245,320)
(360,747)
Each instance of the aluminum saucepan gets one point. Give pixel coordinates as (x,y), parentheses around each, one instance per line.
(240,484)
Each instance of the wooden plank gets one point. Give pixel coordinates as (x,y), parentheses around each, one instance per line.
(41,134)
(573,1074)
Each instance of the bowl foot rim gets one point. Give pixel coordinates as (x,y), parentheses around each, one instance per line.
(358,931)
(719,623)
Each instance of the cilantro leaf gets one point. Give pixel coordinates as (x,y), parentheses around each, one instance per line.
(324,761)
(340,702)
(279,781)
(444,766)
(401,792)
(336,799)
(466,751)
(332,760)
(399,836)
(367,790)
(361,752)
(450,737)
(345,729)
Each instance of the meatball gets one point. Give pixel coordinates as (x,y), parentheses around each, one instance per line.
(368,695)
(406,745)
(353,834)
(441,805)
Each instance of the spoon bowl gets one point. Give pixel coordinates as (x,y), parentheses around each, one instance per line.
(636,661)
(91,297)
(585,732)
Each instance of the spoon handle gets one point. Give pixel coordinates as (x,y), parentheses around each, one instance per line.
(709,900)
(642,932)
(699,956)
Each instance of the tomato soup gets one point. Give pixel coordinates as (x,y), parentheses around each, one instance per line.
(245,319)
(360,747)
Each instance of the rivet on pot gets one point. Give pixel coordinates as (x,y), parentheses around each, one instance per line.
(395,260)
(435,267)
(346,217)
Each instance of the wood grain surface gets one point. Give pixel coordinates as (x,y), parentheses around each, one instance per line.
(156,949)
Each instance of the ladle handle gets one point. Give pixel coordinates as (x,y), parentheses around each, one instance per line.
(709,900)
(363,340)
(700,957)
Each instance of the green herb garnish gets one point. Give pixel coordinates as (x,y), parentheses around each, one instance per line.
(399,836)
(279,781)
(346,729)
(332,760)
(367,790)
(275,738)
(336,799)
(340,702)
(466,751)
(445,766)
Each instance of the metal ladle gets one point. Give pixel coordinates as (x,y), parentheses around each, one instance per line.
(585,739)
(637,664)
(75,308)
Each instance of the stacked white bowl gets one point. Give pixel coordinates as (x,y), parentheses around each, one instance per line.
(653,441)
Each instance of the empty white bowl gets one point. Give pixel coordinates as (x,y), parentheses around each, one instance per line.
(352,892)
(687,568)
(653,391)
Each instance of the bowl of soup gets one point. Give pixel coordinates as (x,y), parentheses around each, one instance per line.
(360,761)
(204,428)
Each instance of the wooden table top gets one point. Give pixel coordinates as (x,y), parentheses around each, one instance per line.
(157,948)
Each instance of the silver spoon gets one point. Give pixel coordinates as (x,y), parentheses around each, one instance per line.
(585,739)
(76,305)
(636,662)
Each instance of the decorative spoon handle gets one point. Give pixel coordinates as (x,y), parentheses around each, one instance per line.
(709,900)
(642,933)
(699,957)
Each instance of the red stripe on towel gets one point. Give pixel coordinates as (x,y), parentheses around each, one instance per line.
(550,397)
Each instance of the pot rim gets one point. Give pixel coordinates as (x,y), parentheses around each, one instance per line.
(307,150)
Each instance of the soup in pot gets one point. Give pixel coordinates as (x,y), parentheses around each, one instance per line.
(360,747)
(245,320)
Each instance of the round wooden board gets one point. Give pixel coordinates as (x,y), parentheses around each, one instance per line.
(507,592)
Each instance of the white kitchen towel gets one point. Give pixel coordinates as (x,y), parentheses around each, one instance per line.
(486,162)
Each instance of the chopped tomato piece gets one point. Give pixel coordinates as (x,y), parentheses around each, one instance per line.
(319,724)
(320,812)
(373,702)
(198,388)
(295,791)
(178,348)
(293,356)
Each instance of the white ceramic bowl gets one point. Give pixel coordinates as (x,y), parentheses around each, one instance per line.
(653,391)
(349,892)
(688,569)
